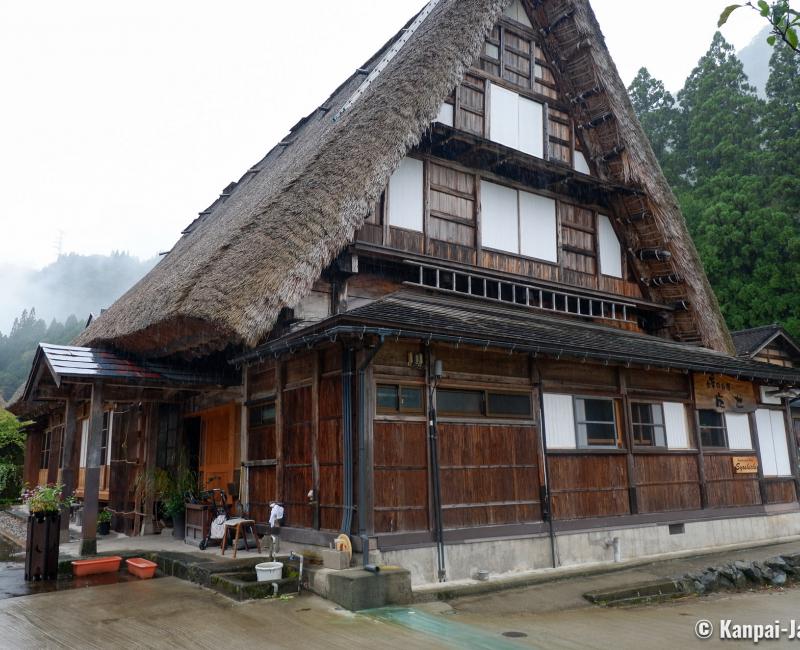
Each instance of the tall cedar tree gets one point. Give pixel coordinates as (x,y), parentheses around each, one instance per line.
(730,158)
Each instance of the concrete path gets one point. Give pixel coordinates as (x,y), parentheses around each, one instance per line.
(171,613)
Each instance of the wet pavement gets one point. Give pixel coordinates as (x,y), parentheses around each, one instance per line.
(171,613)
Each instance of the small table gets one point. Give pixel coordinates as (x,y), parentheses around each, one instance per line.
(239,525)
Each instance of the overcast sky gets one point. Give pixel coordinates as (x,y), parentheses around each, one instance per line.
(119,121)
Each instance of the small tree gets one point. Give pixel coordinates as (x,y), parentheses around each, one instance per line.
(784,20)
(12,453)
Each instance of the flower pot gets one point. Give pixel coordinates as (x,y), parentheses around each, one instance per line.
(41,547)
(103,528)
(179,525)
(109,564)
(141,568)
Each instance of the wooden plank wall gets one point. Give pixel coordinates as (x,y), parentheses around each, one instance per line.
(489,474)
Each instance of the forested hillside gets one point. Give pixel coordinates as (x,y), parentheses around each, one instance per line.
(733,160)
(65,293)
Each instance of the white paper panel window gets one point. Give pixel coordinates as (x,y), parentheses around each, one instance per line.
(610,250)
(531,127)
(84,441)
(504,116)
(537,216)
(769,463)
(499,229)
(738,426)
(766,398)
(516,122)
(517,12)
(405,195)
(445,115)
(676,425)
(559,421)
(782,463)
(580,163)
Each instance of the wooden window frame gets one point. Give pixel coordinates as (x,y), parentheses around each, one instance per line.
(260,404)
(634,424)
(400,410)
(615,403)
(44,453)
(723,428)
(485,413)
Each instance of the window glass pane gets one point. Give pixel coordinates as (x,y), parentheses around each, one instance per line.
(492,50)
(262,414)
(712,428)
(410,398)
(460,402)
(598,433)
(598,410)
(387,398)
(596,422)
(509,404)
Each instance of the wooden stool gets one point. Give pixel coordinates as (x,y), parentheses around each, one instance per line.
(241,527)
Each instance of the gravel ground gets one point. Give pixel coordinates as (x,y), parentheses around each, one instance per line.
(13,528)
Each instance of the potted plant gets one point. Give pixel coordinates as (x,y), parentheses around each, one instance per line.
(182,483)
(104,522)
(41,549)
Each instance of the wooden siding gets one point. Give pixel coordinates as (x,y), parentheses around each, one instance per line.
(588,485)
(400,476)
(297,457)
(666,482)
(724,487)
(489,474)
(329,449)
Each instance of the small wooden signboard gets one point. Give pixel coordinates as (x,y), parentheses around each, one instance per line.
(723,393)
(745,464)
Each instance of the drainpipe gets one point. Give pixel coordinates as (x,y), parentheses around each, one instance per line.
(434,374)
(362,451)
(547,497)
(347,439)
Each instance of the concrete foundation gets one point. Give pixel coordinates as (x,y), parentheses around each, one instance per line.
(504,556)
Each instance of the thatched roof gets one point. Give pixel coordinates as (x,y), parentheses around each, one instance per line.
(261,247)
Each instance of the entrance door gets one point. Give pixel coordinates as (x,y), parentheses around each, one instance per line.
(217,447)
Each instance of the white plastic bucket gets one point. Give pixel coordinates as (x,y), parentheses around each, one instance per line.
(268,571)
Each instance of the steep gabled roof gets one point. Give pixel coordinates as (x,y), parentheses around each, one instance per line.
(265,242)
(751,341)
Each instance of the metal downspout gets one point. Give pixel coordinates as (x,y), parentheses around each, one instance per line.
(433,443)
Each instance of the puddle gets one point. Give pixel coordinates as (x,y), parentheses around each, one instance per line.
(13,583)
(444,630)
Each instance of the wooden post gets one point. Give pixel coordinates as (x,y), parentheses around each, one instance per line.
(627,425)
(791,441)
(91,490)
(67,472)
(279,465)
(150,445)
(315,509)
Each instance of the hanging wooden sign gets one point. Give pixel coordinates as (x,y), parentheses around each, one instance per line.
(723,393)
(745,464)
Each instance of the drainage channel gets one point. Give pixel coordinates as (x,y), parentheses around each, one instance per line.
(446,631)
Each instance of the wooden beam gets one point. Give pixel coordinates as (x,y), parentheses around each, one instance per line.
(91,491)
(66,470)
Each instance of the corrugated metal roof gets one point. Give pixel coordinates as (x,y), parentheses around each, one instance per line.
(67,361)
